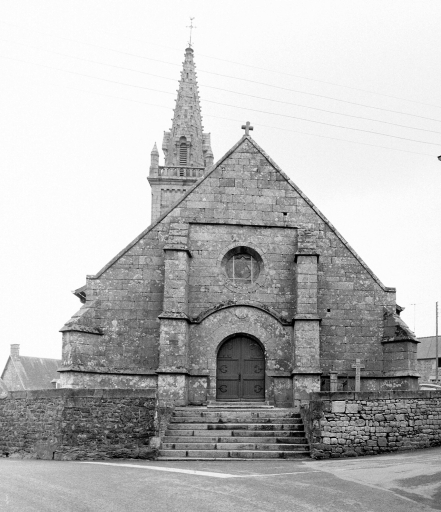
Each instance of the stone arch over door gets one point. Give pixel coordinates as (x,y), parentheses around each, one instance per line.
(206,338)
(240,372)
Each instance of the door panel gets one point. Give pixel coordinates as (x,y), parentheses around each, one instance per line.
(240,370)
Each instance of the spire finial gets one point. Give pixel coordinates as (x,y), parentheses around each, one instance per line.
(191,27)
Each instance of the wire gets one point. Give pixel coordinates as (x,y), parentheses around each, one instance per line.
(241,79)
(253,67)
(239,121)
(323,123)
(225,104)
(323,96)
(303,77)
(221,89)
(83,74)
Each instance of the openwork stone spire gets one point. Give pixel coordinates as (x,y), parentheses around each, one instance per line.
(186,148)
(184,144)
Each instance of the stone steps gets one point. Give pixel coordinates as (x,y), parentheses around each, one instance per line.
(235,426)
(224,454)
(230,420)
(239,432)
(241,439)
(239,405)
(275,413)
(232,446)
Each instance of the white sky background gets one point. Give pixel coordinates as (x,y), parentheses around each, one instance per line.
(75,150)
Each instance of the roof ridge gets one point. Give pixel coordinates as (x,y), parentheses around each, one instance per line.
(38,357)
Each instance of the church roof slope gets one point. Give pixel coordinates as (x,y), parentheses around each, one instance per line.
(284,177)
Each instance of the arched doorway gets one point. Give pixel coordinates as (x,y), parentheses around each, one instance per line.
(240,370)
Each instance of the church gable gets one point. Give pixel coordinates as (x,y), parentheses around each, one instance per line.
(242,264)
(244,201)
(152,306)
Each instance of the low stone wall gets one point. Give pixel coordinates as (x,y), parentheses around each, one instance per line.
(350,424)
(77,424)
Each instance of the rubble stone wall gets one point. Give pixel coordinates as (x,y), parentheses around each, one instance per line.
(353,424)
(77,424)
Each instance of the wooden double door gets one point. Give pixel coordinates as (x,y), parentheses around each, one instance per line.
(240,370)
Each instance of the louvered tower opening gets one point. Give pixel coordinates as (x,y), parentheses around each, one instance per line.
(183,151)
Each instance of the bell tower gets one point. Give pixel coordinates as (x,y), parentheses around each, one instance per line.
(187,150)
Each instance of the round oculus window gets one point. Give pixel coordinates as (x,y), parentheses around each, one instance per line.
(242,265)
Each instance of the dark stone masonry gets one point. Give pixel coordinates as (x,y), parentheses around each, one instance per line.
(80,424)
(240,290)
(353,424)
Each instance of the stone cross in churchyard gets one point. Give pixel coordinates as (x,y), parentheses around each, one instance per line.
(333,378)
(247,127)
(358,366)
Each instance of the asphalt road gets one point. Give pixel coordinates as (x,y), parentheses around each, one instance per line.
(406,482)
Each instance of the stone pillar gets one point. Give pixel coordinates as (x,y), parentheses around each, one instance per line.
(174,329)
(333,381)
(306,347)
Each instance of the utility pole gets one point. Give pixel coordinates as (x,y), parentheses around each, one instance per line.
(436,346)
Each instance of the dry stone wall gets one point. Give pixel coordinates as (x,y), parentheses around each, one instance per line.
(67,424)
(353,424)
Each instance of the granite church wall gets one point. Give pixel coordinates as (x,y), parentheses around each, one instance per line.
(353,424)
(209,284)
(122,308)
(80,424)
(250,195)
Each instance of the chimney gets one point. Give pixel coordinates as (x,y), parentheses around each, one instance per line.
(15,350)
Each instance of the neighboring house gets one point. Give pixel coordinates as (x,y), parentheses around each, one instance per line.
(426,358)
(3,388)
(24,373)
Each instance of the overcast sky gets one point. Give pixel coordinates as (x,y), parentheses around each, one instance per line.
(345,96)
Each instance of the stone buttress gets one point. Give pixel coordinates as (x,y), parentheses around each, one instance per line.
(174,330)
(306,341)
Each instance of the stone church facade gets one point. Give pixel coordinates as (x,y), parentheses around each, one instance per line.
(239,290)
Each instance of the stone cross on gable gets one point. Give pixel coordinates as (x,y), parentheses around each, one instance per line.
(247,127)
(358,366)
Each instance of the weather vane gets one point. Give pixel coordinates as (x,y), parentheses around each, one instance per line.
(191,27)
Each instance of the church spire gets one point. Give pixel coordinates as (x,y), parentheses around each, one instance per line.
(184,144)
(187,149)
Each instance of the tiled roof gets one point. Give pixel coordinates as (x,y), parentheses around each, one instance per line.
(35,372)
(426,349)
(3,388)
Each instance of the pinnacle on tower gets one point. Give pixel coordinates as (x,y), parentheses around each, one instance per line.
(154,161)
